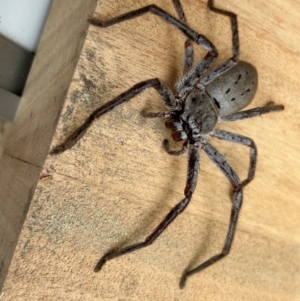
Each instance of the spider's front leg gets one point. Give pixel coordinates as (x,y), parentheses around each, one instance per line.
(192,176)
(166,94)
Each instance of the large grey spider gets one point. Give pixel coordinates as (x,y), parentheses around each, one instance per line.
(201,99)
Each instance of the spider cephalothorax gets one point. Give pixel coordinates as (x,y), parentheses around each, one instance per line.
(202,98)
(199,115)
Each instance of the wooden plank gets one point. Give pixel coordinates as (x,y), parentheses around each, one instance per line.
(117,183)
(28,141)
(5,127)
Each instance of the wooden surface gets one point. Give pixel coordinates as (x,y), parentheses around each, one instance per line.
(116,185)
(30,135)
(5,127)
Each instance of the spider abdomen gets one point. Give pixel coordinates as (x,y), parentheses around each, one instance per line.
(234,89)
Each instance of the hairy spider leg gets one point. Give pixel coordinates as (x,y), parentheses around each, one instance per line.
(188,32)
(191,182)
(195,73)
(252,112)
(163,90)
(188,46)
(239,139)
(235,138)
(234,28)
(235,46)
(221,163)
(219,160)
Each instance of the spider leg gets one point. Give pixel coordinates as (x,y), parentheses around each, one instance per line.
(187,31)
(234,28)
(192,175)
(252,112)
(166,94)
(175,152)
(188,56)
(189,50)
(235,46)
(221,163)
(194,74)
(239,139)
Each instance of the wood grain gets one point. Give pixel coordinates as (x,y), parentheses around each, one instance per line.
(5,127)
(30,135)
(117,183)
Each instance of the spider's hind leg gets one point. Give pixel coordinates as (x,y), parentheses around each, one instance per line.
(221,163)
(235,46)
(234,28)
(239,139)
(194,74)
(270,107)
(188,46)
